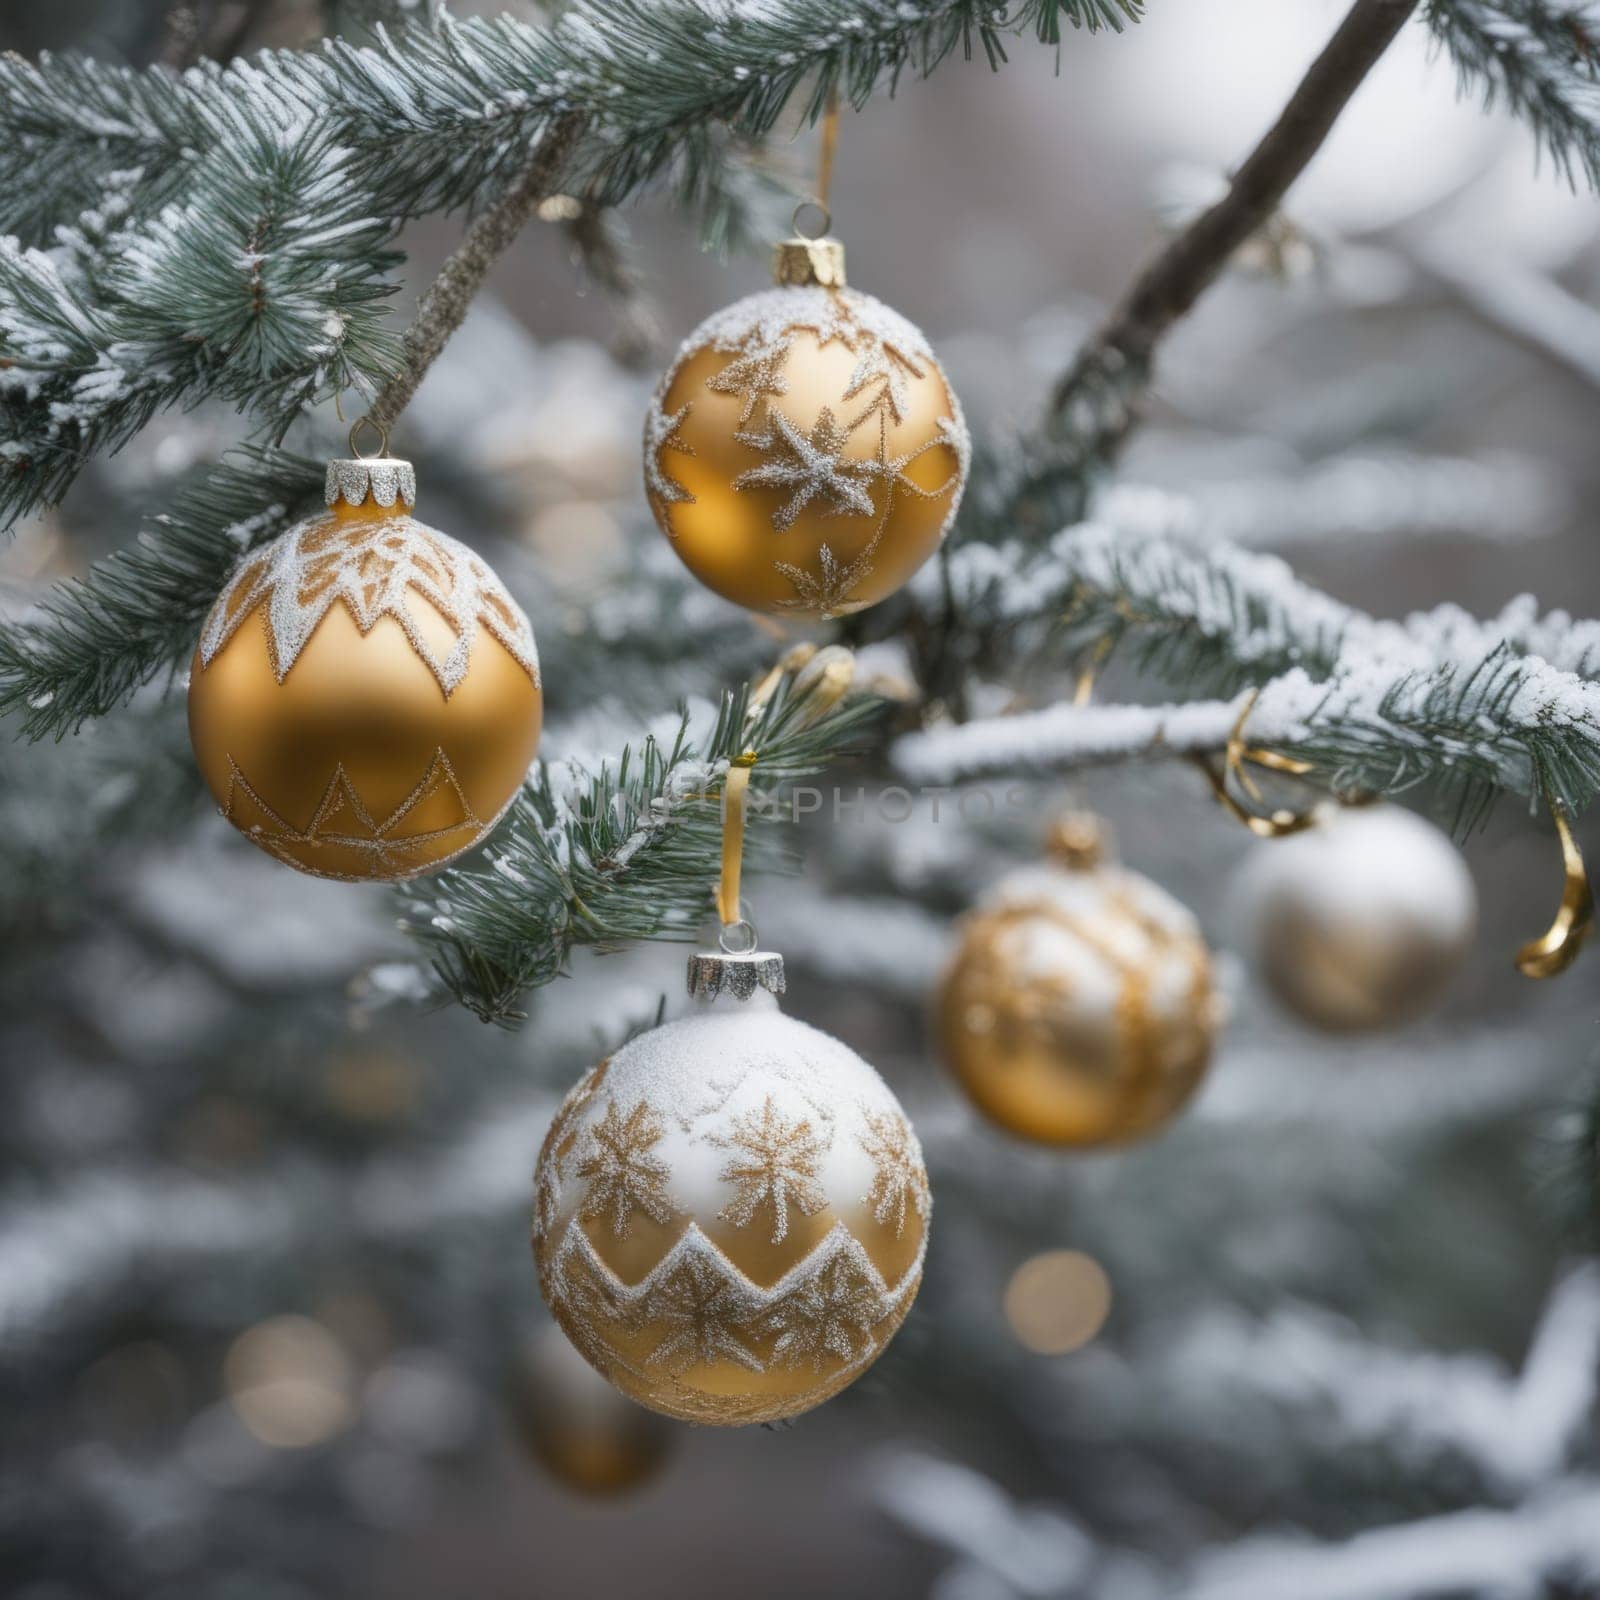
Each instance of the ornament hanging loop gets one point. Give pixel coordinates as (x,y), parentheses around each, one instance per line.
(1557,947)
(738,938)
(1236,755)
(807,209)
(355,438)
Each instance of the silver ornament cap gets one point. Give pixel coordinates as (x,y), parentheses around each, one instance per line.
(382,479)
(738,968)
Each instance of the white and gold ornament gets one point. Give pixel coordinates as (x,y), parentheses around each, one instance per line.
(1361,921)
(364,701)
(1078,1009)
(732,1210)
(805,454)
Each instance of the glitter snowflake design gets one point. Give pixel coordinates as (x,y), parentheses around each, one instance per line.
(828,592)
(899,1179)
(663,433)
(699,1307)
(815,465)
(754,375)
(374,566)
(810,466)
(622,1175)
(776,1166)
(833,1312)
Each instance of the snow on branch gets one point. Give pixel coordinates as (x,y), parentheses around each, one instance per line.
(1062,737)
(1500,722)
(263,288)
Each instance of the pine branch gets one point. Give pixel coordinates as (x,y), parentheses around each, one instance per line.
(622,852)
(1474,727)
(137,613)
(263,289)
(1538,58)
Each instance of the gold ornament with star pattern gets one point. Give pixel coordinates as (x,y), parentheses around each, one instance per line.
(364,701)
(731,1211)
(805,454)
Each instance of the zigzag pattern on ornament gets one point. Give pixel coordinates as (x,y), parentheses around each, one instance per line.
(705,1303)
(380,840)
(372,566)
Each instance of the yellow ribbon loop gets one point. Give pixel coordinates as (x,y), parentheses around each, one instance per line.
(1091,670)
(735,794)
(828,148)
(1236,753)
(824,681)
(792,660)
(1557,948)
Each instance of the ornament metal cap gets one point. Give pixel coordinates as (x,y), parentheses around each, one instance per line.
(1078,841)
(737,968)
(801,263)
(383,480)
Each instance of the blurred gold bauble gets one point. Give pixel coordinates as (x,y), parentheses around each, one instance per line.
(1078,1009)
(805,453)
(364,701)
(1361,922)
(581,1430)
(731,1213)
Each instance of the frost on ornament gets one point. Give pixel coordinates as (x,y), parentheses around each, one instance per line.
(373,565)
(789,445)
(731,1215)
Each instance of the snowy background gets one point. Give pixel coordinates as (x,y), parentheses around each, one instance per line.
(1351,1347)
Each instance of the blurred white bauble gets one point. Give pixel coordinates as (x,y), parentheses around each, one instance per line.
(1359,923)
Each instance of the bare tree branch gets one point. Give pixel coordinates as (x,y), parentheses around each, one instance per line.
(445,303)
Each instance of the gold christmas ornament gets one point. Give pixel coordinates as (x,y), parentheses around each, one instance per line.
(805,453)
(1078,1009)
(731,1211)
(1361,922)
(364,701)
(585,1434)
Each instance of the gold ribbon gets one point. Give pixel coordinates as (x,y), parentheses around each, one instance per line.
(1236,755)
(828,147)
(1557,947)
(1091,669)
(735,794)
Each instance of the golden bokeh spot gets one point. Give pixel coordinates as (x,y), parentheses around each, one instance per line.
(1056,1302)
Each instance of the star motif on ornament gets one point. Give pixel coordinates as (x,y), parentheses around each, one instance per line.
(899,1180)
(621,1174)
(775,1166)
(877,362)
(810,465)
(829,592)
(661,433)
(697,1309)
(832,1312)
(754,375)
